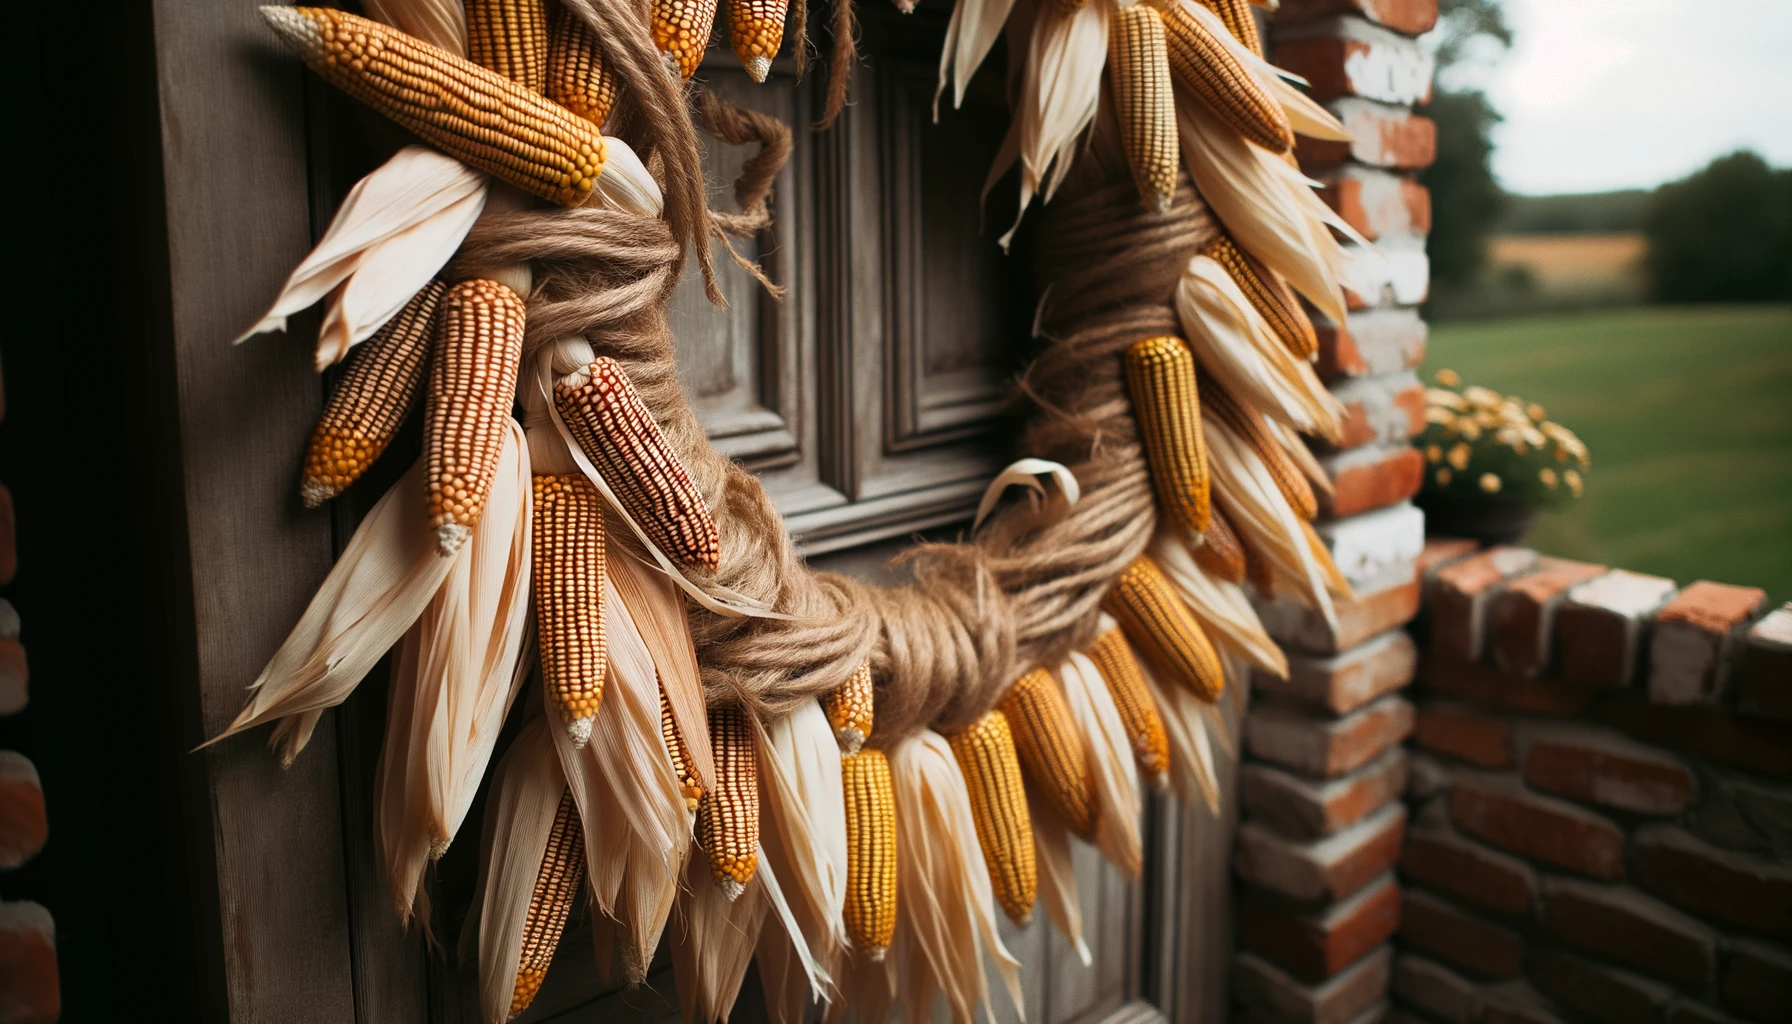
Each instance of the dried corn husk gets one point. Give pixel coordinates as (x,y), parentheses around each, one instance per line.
(1111,762)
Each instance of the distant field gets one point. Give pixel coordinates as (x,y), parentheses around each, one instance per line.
(1688,412)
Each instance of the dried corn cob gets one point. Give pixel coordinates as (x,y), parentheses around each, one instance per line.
(1203,66)
(576,76)
(1248,425)
(850,709)
(1237,17)
(556,886)
(991,767)
(1163,629)
(1269,294)
(756,31)
(510,37)
(681,30)
(619,435)
(1220,552)
(1258,574)
(568,558)
(870,851)
(1138,711)
(680,753)
(1160,375)
(1051,749)
(728,815)
(1139,68)
(369,403)
(472,384)
(482,119)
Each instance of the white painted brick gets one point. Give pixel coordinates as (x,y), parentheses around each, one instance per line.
(1375,543)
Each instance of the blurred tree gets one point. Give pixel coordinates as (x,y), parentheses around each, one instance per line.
(1723,234)
(1466,202)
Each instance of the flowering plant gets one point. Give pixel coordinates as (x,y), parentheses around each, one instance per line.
(1479,444)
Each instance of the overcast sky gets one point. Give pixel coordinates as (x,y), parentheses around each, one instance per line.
(1606,94)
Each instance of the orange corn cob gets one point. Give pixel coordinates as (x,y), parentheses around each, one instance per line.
(576,76)
(568,556)
(369,403)
(472,384)
(1248,425)
(1203,66)
(986,756)
(728,815)
(510,37)
(870,851)
(556,887)
(1237,17)
(681,30)
(1269,295)
(1160,375)
(850,709)
(1162,628)
(680,753)
(1051,748)
(1138,711)
(1258,574)
(1139,69)
(1220,551)
(756,31)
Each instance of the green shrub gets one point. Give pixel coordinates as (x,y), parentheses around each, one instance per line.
(1724,234)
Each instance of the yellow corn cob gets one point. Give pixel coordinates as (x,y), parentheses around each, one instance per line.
(472,384)
(1160,374)
(1139,69)
(680,753)
(1220,552)
(482,119)
(568,558)
(510,37)
(576,76)
(1269,294)
(728,814)
(556,885)
(620,436)
(851,708)
(369,403)
(1162,628)
(1237,17)
(681,30)
(1051,748)
(1248,425)
(756,30)
(991,767)
(1138,711)
(1203,66)
(870,851)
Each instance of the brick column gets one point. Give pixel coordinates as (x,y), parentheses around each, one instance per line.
(1324,768)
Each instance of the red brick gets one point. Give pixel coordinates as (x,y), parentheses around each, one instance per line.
(1500,811)
(1326,747)
(1440,992)
(1442,551)
(1604,994)
(1329,869)
(1378,203)
(1758,981)
(1381,136)
(15,677)
(1302,809)
(1484,684)
(29,990)
(1727,888)
(1460,594)
(23,824)
(1753,744)
(1316,946)
(1373,611)
(1392,475)
(1695,639)
(1598,767)
(1764,686)
(1411,17)
(1601,625)
(1523,618)
(1516,1002)
(1460,733)
(1340,683)
(9,550)
(1459,938)
(1469,871)
(1621,924)
(1273,997)
(1353,57)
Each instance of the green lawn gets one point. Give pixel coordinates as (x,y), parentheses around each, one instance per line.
(1688,413)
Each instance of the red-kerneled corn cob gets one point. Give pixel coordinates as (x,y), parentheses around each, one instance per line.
(1138,711)
(756,30)
(991,767)
(681,30)
(1237,17)
(556,886)
(1220,552)
(1205,68)
(576,76)
(1160,375)
(850,709)
(472,384)
(728,815)
(480,118)
(870,851)
(1051,748)
(568,557)
(510,37)
(1269,295)
(1162,628)
(1139,69)
(620,436)
(1248,425)
(680,753)
(369,403)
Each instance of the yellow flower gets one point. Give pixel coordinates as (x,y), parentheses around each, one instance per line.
(1443,476)
(1448,378)
(1459,456)
(1548,476)
(1486,398)
(1490,483)
(1439,415)
(1536,412)
(1468,428)
(1574,482)
(1448,399)
(1561,455)
(1433,453)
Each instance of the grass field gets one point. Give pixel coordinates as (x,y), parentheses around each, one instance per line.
(1688,413)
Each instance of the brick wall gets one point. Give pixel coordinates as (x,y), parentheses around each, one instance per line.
(1324,766)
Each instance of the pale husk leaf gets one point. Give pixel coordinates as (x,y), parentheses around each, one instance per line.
(1115,771)
(525,796)
(1225,613)
(440,23)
